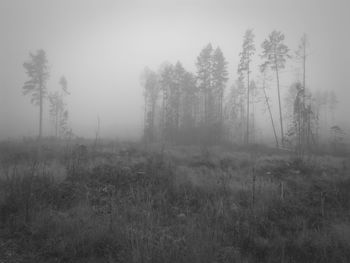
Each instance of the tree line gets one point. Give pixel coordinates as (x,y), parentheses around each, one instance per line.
(183,107)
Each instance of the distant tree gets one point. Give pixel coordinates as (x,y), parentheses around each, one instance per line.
(179,75)
(244,68)
(219,79)
(289,101)
(254,94)
(64,123)
(333,102)
(38,73)
(188,101)
(275,53)
(325,103)
(204,79)
(58,110)
(211,78)
(167,86)
(268,104)
(151,92)
(63,83)
(338,137)
(235,112)
(301,55)
(298,113)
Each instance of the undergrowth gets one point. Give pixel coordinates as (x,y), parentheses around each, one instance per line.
(170,207)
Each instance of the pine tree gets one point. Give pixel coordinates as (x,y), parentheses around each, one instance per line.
(204,79)
(58,110)
(167,83)
(219,79)
(37,71)
(151,93)
(244,68)
(275,53)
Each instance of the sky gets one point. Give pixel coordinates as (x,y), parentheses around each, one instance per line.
(102,46)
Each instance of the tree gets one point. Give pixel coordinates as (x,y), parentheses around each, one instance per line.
(178,83)
(167,83)
(58,110)
(267,102)
(219,79)
(211,78)
(235,112)
(63,83)
(244,67)
(254,94)
(151,92)
(333,101)
(302,55)
(275,53)
(188,100)
(204,70)
(298,117)
(338,137)
(37,71)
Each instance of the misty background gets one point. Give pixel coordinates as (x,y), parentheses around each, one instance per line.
(101,47)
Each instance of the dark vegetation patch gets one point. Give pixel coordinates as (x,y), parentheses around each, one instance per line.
(128,207)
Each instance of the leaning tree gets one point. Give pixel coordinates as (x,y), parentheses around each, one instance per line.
(275,53)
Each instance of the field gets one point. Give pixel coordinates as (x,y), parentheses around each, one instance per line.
(122,202)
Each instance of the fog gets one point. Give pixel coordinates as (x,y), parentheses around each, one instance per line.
(101,47)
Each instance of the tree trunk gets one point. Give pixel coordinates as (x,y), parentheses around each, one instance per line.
(248,89)
(269,108)
(56,124)
(40,110)
(279,104)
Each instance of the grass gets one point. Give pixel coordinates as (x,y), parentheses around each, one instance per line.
(63,203)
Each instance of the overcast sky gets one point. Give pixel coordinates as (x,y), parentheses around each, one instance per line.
(101,47)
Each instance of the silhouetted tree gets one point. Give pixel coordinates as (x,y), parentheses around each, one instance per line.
(37,71)
(204,79)
(333,102)
(211,78)
(275,53)
(235,112)
(167,86)
(58,110)
(151,93)
(244,68)
(219,79)
(254,95)
(188,105)
(268,103)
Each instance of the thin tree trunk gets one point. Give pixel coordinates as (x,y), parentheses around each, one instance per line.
(248,89)
(303,140)
(145,122)
(56,125)
(279,104)
(40,110)
(269,108)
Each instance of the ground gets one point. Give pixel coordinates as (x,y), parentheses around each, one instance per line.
(130,202)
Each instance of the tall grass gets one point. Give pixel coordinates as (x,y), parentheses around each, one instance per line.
(178,206)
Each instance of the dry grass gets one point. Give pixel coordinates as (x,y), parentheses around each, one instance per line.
(188,204)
